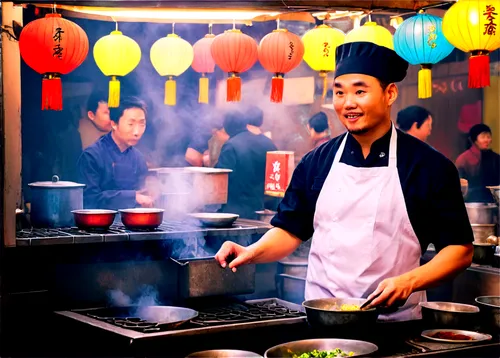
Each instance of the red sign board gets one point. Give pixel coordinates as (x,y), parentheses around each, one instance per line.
(279,170)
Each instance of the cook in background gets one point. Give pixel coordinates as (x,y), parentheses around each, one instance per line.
(416,121)
(215,143)
(96,121)
(318,129)
(255,121)
(373,199)
(245,154)
(479,165)
(112,169)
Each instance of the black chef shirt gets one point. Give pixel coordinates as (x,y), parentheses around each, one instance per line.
(430,183)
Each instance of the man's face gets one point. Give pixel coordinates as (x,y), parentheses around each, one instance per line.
(483,140)
(101,117)
(130,127)
(361,103)
(424,131)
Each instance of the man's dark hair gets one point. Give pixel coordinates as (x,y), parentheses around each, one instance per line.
(126,103)
(255,116)
(409,115)
(319,122)
(234,123)
(95,98)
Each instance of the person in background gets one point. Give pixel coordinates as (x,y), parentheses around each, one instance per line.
(96,122)
(245,154)
(113,171)
(479,165)
(255,121)
(215,143)
(318,129)
(416,121)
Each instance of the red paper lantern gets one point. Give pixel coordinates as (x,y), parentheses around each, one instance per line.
(280,52)
(234,52)
(203,63)
(53,46)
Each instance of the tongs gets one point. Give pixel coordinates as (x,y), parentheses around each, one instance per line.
(382,310)
(367,302)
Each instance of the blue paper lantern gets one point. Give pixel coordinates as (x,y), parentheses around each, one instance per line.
(420,41)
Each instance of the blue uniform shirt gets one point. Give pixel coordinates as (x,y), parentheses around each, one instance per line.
(111,177)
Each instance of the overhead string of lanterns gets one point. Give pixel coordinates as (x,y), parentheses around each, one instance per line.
(54,46)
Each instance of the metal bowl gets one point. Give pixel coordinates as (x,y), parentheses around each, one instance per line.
(490,311)
(288,350)
(142,218)
(495,191)
(323,312)
(449,315)
(96,219)
(215,219)
(224,353)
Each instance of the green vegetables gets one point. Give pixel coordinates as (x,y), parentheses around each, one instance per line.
(324,354)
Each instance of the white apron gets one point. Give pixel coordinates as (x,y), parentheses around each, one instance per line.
(362,234)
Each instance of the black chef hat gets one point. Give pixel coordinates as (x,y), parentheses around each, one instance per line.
(477,130)
(370,59)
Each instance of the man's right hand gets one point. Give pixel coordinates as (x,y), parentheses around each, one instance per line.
(236,255)
(144,201)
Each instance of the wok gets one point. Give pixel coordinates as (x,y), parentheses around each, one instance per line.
(142,218)
(165,316)
(94,218)
(287,350)
(215,219)
(325,312)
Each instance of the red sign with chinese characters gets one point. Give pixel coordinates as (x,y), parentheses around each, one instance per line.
(279,170)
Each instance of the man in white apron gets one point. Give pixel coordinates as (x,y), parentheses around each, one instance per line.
(369,199)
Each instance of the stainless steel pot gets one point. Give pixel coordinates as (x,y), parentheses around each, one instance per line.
(52,202)
(296,348)
(483,253)
(490,311)
(291,288)
(482,213)
(292,265)
(483,231)
(449,315)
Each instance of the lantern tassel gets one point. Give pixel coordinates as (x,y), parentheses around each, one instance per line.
(203,95)
(233,88)
(277,85)
(325,83)
(52,92)
(425,82)
(479,69)
(170,92)
(114,93)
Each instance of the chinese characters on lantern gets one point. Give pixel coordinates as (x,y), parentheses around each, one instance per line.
(326,49)
(279,169)
(58,50)
(431,36)
(290,46)
(491,26)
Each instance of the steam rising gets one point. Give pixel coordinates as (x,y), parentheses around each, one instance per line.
(148,296)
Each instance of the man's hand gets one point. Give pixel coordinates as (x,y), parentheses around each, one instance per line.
(229,250)
(144,201)
(390,291)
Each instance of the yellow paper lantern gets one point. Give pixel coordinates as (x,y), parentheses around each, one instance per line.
(473,26)
(320,44)
(171,56)
(116,55)
(371,32)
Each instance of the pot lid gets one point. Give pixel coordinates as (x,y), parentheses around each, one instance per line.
(56,184)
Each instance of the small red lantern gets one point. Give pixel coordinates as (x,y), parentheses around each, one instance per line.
(203,63)
(280,52)
(234,52)
(53,46)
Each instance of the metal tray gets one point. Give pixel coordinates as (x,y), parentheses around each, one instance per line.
(204,277)
(476,337)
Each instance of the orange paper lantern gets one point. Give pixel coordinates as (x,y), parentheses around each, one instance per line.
(280,52)
(234,52)
(53,46)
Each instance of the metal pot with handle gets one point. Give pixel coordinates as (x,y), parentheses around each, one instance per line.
(53,201)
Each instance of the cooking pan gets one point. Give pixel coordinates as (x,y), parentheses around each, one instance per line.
(96,219)
(142,218)
(325,312)
(224,353)
(168,317)
(290,349)
(215,219)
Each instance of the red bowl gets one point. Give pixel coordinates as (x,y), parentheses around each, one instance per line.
(142,218)
(97,219)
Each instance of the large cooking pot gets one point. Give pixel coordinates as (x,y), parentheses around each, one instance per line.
(482,213)
(483,231)
(52,202)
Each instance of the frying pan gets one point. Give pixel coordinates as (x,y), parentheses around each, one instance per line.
(215,219)
(166,316)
